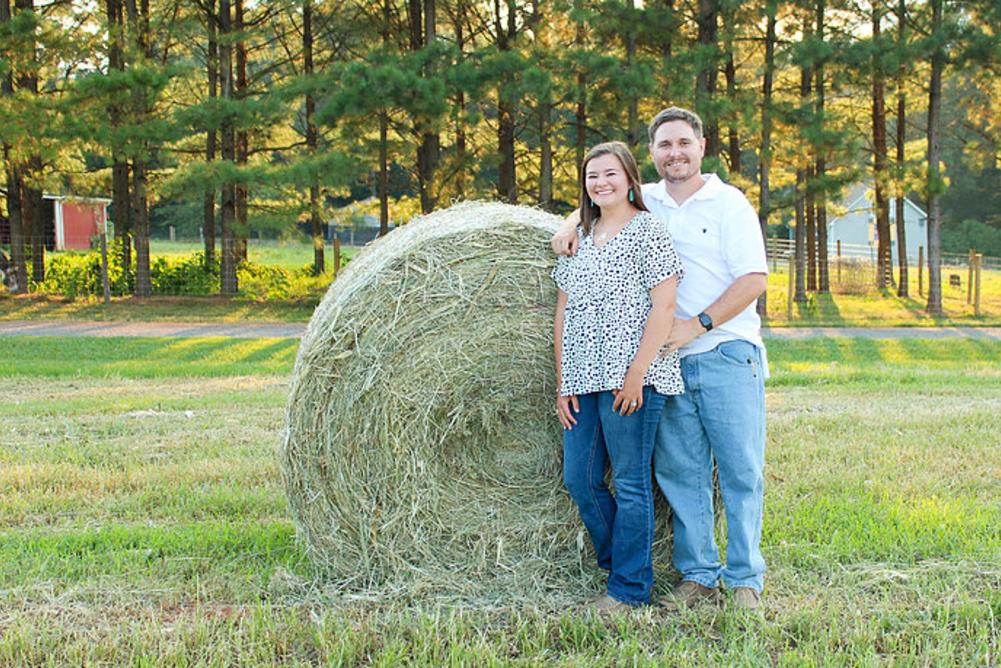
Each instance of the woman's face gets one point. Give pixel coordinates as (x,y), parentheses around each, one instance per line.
(606,181)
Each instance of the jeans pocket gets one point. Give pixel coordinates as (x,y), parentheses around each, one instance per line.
(740,353)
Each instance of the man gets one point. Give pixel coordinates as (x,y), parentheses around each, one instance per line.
(716,329)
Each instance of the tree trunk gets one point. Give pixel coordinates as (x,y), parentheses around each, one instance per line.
(884,257)
(800,293)
(32,218)
(733,133)
(143,285)
(241,230)
(730,71)
(228,280)
(383,141)
(139,29)
(120,198)
(312,141)
(633,130)
(580,113)
(934,306)
(803,254)
(811,230)
(764,166)
(902,262)
(820,168)
(545,155)
(666,41)
(460,106)
(18,260)
(507,187)
(430,147)
(705,85)
(211,138)
(18,281)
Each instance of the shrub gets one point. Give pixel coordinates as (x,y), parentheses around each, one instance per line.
(184,276)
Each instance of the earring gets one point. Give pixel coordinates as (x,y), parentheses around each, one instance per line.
(632,197)
(592,202)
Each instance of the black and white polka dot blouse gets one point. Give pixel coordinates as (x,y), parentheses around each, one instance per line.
(608,303)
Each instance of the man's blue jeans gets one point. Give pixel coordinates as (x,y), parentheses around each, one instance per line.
(621,527)
(721,416)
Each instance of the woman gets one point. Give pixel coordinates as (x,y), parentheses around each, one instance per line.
(614,310)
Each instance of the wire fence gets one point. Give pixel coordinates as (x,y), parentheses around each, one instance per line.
(784,248)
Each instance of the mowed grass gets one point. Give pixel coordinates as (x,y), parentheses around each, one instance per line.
(143,522)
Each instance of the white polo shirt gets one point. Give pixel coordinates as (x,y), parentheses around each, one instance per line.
(718,237)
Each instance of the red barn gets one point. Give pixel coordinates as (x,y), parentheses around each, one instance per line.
(77,220)
(70,222)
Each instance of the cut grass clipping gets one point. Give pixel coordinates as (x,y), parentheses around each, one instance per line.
(422,454)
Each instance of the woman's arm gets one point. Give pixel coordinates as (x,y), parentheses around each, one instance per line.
(657,330)
(563,404)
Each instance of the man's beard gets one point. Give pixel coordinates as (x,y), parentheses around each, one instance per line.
(688,174)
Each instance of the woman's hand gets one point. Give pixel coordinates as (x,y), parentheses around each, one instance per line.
(629,399)
(564,412)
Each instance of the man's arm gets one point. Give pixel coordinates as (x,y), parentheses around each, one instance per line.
(564,242)
(734,299)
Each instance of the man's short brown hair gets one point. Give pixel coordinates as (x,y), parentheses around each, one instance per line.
(676,114)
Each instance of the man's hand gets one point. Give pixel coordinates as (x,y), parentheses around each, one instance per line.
(564,242)
(684,332)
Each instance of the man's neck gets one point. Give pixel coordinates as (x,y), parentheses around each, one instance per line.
(680,192)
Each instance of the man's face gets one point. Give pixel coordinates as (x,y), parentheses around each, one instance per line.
(677,152)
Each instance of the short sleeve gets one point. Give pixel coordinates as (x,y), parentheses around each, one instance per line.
(659,261)
(743,246)
(561,272)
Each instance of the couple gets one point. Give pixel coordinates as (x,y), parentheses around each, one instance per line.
(660,363)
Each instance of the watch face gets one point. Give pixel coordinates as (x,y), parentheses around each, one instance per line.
(706,321)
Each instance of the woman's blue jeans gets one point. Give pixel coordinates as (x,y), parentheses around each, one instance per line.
(620,526)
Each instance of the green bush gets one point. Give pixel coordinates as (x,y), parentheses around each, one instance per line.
(184,276)
(76,275)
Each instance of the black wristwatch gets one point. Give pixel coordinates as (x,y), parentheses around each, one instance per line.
(705,321)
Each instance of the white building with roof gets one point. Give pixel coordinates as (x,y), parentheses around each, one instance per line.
(856,227)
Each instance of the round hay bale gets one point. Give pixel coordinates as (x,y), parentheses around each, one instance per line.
(421,452)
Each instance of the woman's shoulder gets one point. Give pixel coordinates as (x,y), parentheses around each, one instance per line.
(651,222)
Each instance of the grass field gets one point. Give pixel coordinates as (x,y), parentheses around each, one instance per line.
(288,254)
(143,522)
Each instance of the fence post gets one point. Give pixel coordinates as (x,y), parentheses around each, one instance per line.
(921,271)
(969,276)
(839,261)
(104,268)
(170,232)
(976,292)
(337,254)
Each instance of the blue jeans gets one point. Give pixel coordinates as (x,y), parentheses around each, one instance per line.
(721,416)
(621,527)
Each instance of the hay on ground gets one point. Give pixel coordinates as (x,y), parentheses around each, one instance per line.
(422,455)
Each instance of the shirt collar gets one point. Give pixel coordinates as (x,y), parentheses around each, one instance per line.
(707,191)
